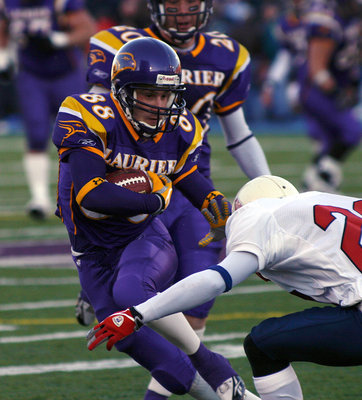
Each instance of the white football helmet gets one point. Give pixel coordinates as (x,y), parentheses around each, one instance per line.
(263,186)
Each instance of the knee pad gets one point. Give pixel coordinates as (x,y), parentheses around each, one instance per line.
(260,362)
(174,384)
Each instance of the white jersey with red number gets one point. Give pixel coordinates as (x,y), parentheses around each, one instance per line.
(310,243)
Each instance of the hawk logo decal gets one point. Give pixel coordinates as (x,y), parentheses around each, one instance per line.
(123,61)
(96,55)
(72,127)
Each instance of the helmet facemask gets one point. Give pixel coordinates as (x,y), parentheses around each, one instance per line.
(167,118)
(160,15)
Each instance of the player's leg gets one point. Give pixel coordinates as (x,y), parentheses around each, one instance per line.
(338,133)
(35,110)
(152,256)
(187,226)
(98,273)
(328,336)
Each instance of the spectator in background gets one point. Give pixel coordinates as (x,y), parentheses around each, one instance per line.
(329,89)
(49,39)
(116,12)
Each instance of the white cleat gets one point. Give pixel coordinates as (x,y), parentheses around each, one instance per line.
(232,389)
(84,312)
(325,176)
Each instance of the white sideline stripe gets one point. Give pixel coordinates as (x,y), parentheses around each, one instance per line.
(6,328)
(227,350)
(57,259)
(83,334)
(45,336)
(38,281)
(67,367)
(36,305)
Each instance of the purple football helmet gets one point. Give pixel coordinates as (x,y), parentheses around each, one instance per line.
(151,64)
(159,13)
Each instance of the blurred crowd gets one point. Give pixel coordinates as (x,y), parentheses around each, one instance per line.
(251,22)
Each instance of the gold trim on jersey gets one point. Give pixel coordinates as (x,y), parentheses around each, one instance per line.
(194,168)
(196,141)
(218,109)
(89,119)
(109,39)
(91,149)
(89,186)
(197,50)
(241,63)
(152,34)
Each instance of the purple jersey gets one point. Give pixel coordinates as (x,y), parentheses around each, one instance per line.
(291,35)
(216,72)
(41,18)
(322,20)
(96,123)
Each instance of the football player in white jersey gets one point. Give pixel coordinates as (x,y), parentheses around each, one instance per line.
(310,245)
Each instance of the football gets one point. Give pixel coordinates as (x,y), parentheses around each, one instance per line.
(132,179)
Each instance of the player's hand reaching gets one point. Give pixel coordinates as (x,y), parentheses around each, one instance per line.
(114,328)
(216,214)
(162,187)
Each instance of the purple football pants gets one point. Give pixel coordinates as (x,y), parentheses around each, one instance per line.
(115,279)
(328,124)
(187,226)
(39,101)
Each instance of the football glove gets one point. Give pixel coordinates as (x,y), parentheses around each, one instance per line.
(114,328)
(216,214)
(162,187)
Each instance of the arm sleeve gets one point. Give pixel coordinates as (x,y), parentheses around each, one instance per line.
(198,288)
(195,187)
(243,145)
(280,67)
(107,198)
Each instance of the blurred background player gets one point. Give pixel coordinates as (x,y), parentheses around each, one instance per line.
(308,244)
(329,88)
(282,82)
(216,73)
(123,252)
(49,39)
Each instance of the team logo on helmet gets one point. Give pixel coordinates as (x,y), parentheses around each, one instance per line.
(167,79)
(122,62)
(96,55)
(72,127)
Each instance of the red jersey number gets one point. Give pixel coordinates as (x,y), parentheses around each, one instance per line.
(351,240)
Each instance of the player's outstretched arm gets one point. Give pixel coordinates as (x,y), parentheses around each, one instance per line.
(190,292)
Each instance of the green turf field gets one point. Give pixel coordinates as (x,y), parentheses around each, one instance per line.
(37,296)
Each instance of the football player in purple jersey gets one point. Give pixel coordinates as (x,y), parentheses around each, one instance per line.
(329,88)
(122,249)
(216,74)
(49,38)
(309,244)
(282,74)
